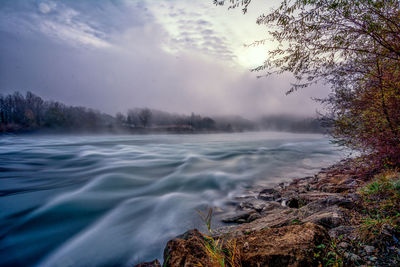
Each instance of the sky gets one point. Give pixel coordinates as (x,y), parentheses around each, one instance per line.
(180,56)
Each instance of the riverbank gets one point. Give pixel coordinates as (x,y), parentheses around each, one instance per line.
(342,216)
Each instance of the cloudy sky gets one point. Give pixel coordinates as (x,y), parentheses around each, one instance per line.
(177,55)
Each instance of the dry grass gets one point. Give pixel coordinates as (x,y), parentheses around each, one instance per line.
(220,252)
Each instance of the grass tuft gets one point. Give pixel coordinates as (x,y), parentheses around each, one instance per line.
(381,202)
(220,252)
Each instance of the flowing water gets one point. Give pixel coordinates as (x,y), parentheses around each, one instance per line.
(116,200)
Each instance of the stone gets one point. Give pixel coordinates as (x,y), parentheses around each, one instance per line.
(154,263)
(352,257)
(292,245)
(330,217)
(342,230)
(269,194)
(186,250)
(285,246)
(271,219)
(238,216)
(258,205)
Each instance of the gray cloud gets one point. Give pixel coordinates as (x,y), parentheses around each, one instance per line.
(110,56)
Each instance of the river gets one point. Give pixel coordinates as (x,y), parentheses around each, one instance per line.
(116,200)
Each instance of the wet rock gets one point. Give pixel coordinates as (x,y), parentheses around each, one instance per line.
(285,246)
(258,205)
(154,263)
(240,217)
(269,194)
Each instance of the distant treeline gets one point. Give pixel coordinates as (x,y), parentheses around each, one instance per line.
(19,113)
(286,123)
(30,113)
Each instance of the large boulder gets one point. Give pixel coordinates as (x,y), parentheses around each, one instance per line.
(292,245)
(186,250)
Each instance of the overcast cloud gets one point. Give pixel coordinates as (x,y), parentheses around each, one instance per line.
(179,56)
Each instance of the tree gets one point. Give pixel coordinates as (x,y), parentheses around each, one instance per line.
(120,118)
(354,46)
(145,116)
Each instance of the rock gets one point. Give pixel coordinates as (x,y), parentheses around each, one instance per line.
(154,263)
(186,250)
(330,217)
(270,206)
(285,246)
(369,249)
(258,205)
(352,258)
(271,219)
(342,230)
(240,216)
(269,194)
(268,191)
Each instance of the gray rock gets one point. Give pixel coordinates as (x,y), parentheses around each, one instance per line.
(352,257)
(342,230)
(330,217)
(239,216)
(269,194)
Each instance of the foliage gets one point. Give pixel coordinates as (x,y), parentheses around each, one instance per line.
(19,113)
(30,112)
(353,45)
(329,254)
(381,202)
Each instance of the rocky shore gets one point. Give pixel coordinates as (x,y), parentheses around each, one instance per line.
(312,221)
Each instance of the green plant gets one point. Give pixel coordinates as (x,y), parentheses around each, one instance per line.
(381,204)
(295,222)
(329,254)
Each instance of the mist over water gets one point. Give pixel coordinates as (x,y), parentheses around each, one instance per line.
(117,200)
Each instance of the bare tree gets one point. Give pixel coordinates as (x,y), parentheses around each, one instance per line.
(145,116)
